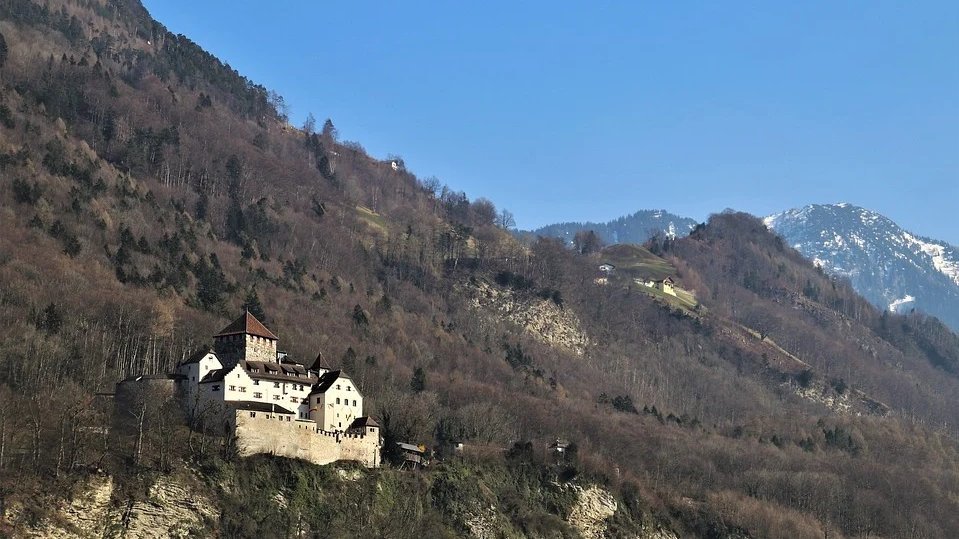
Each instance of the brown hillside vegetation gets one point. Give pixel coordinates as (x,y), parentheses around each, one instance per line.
(148,193)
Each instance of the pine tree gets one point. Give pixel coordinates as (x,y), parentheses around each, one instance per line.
(253,305)
(3,50)
(418,381)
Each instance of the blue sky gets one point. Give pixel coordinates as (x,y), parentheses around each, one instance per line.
(564,111)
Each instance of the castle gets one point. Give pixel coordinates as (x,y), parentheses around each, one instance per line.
(272,404)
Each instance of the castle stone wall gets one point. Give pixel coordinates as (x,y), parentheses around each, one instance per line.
(231,349)
(266,433)
(260,349)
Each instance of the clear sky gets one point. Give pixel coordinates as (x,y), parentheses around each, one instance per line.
(565,111)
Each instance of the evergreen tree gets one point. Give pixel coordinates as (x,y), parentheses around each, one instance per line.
(253,305)
(329,130)
(348,362)
(202,206)
(418,381)
(211,283)
(3,50)
(51,320)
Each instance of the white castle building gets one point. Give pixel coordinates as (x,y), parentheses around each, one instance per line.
(272,404)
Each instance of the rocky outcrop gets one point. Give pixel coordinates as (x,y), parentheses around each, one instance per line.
(543,319)
(852,401)
(484,524)
(172,509)
(592,508)
(89,514)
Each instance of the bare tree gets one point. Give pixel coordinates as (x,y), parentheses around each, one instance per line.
(505,220)
(587,242)
(309,125)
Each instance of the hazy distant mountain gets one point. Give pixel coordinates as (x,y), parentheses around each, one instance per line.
(635,228)
(893,268)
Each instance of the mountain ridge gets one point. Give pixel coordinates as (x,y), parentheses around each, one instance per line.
(636,227)
(894,268)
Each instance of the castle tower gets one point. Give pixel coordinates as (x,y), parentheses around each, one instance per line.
(246,339)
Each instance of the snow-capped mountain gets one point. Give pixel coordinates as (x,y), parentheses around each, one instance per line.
(635,228)
(895,269)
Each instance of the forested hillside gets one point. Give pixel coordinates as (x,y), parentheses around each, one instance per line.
(148,193)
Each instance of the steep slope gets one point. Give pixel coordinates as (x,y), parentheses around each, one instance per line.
(893,268)
(635,228)
(148,192)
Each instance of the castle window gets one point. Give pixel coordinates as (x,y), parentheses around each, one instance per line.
(232,388)
(276,384)
(252,414)
(257,395)
(337,386)
(216,387)
(354,402)
(337,400)
(256,382)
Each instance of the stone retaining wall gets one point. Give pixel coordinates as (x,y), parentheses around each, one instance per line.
(273,434)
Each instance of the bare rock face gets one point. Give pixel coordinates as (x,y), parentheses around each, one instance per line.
(542,319)
(593,509)
(173,509)
(484,524)
(589,515)
(87,515)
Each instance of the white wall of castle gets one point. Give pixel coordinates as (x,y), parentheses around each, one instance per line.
(333,410)
(195,372)
(237,385)
(338,406)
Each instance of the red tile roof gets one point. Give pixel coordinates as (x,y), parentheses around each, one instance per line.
(247,324)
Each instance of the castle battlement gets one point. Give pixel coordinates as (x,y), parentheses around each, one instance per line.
(262,434)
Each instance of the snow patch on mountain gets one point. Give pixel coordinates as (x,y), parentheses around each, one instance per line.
(940,256)
(895,306)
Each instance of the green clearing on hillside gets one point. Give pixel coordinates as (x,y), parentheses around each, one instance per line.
(375,220)
(635,262)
